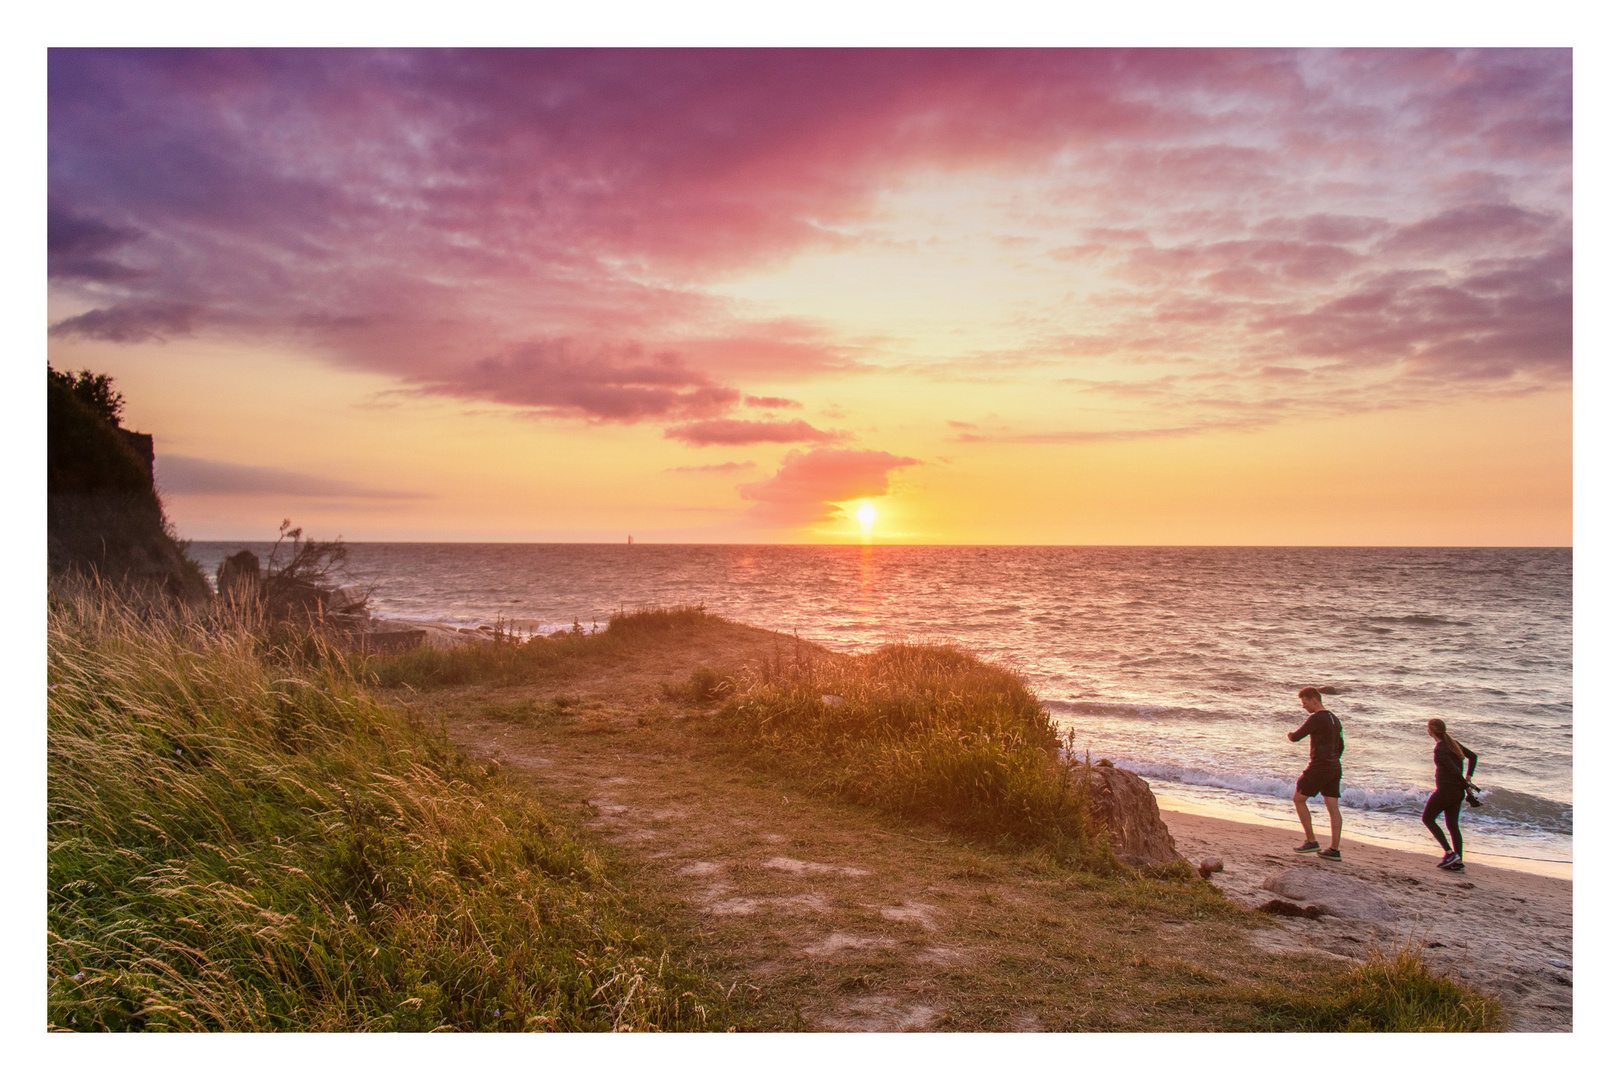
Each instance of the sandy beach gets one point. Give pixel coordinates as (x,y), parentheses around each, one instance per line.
(1506,932)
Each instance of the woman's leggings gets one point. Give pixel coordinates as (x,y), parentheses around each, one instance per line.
(1451,804)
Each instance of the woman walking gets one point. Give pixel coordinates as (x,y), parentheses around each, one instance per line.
(1450,785)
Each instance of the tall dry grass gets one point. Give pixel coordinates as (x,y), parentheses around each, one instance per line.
(924,731)
(509,662)
(240,838)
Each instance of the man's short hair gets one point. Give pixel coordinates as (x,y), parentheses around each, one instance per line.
(1310,692)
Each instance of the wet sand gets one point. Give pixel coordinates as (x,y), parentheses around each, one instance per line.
(1506,932)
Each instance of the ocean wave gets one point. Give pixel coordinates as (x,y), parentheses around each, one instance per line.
(1133,712)
(1418,620)
(1501,806)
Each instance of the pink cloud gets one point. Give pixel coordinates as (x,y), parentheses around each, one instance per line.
(807,485)
(747,432)
(623,385)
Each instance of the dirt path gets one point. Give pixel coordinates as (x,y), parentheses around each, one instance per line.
(834,918)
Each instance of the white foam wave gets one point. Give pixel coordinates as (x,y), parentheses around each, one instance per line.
(1552,817)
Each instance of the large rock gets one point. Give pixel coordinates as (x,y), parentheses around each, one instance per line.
(238,577)
(1335,894)
(1123,802)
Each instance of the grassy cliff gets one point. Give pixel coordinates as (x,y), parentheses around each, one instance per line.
(241,838)
(103,516)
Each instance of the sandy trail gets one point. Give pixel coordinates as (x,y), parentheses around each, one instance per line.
(1507,933)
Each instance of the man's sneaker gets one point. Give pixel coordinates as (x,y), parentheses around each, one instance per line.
(1445,863)
(1308,847)
(1331,853)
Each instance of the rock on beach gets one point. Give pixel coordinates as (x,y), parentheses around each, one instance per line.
(1124,802)
(1335,894)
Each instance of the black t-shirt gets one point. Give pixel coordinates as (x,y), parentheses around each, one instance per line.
(1448,767)
(1327,737)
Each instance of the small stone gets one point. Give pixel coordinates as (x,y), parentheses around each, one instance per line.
(1210,866)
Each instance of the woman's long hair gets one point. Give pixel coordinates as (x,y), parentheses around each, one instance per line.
(1437,728)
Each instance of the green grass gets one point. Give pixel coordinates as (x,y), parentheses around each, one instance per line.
(923,731)
(1391,992)
(240,838)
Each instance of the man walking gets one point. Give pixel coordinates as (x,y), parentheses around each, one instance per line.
(1321,776)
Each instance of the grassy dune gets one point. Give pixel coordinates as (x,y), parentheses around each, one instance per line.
(241,838)
(923,731)
(512,663)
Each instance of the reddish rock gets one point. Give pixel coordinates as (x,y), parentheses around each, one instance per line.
(1124,803)
(1210,866)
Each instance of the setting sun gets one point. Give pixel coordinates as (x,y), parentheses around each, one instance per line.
(866,514)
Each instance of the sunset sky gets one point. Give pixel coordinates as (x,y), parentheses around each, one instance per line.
(1028,297)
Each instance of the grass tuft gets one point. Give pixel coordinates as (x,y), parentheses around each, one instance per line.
(1392,992)
(240,838)
(924,731)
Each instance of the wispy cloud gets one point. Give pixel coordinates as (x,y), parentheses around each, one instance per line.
(722,467)
(178,474)
(747,432)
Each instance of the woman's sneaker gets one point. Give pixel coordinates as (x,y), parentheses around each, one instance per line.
(1307,848)
(1454,864)
(1445,863)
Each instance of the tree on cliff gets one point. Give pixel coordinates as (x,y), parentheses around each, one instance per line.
(93,391)
(103,514)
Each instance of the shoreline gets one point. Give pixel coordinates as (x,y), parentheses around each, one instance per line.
(442,634)
(1507,932)
(1553,869)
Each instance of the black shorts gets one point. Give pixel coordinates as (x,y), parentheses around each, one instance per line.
(1319,779)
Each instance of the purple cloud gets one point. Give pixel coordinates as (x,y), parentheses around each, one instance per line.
(178,474)
(541,228)
(127,323)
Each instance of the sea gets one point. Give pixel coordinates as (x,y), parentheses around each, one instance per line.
(1180,663)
